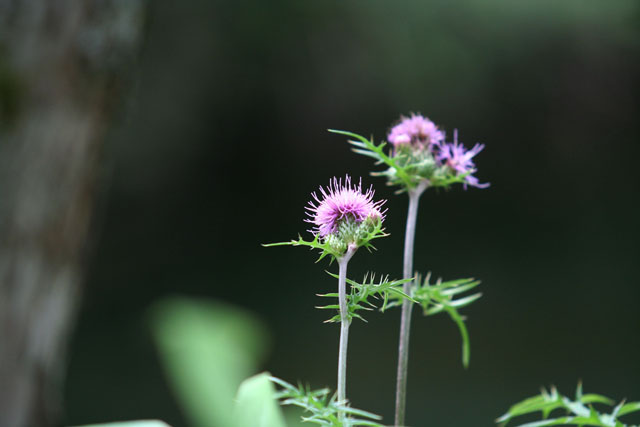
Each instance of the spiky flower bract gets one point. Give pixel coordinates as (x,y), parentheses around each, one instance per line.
(344,214)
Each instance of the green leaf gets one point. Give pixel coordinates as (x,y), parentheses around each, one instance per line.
(256,405)
(439,297)
(596,398)
(460,286)
(466,346)
(628,408)
(329,307)
(464,301)
(324,247)
(362,295)
(578,413)
(545,402)
(370,149)
(323,409)
(336,245)
(207,349)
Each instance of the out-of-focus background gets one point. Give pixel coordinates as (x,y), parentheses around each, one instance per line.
(221,137)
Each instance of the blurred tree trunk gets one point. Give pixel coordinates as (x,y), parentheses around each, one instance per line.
(61,62)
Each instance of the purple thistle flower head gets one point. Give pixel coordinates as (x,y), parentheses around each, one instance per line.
(459,159)
(416,130)
(340,202)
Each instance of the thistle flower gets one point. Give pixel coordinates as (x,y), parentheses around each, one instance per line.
(342,203)
(345,219)
(416,130)
(459,160)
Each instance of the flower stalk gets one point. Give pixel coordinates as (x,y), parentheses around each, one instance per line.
(345,218)
(407,306)
(344,323)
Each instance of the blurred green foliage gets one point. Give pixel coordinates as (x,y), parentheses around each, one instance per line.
(140,423)
(255,404)
(208,349)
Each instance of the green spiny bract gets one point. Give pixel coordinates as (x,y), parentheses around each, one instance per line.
(350,232)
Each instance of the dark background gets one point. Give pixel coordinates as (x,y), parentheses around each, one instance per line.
(223,138)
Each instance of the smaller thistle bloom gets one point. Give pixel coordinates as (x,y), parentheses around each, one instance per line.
(342,203)
(416,130)
(459,159)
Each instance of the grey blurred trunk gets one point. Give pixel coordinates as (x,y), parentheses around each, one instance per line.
(60,63)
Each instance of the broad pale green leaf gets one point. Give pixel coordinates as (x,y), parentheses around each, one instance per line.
(207,348)
(256,405)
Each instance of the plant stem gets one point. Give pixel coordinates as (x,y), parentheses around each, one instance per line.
(407,307)
(344,324)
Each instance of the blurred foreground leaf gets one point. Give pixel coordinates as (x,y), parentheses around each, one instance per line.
(207,348)
(139,423)
(256,405)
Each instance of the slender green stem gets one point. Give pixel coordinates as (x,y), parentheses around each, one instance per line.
(344,324)
(407,306)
